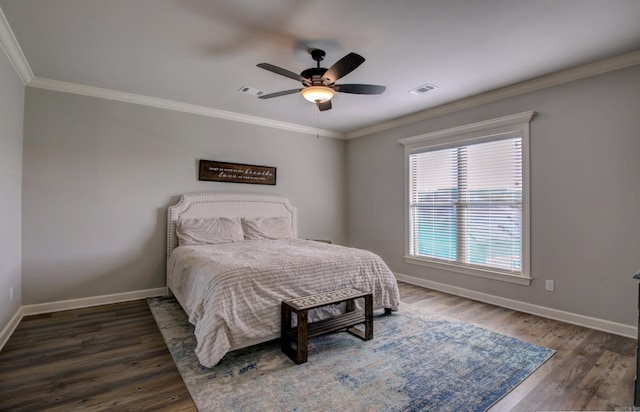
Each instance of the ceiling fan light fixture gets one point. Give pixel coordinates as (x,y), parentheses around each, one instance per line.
(318,94)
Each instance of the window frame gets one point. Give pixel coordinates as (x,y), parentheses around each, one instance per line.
(485,131)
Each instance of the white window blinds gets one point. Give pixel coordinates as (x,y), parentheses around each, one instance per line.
(466,204)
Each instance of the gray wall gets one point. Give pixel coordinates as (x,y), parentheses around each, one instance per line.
(99,175)
(11,116)
(585,195)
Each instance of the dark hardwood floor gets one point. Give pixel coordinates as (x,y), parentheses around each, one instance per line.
(112,357)
(104,358)
(591,370)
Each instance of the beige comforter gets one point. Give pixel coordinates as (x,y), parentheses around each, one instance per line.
(232,292)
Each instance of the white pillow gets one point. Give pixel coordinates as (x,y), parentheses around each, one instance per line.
(209,231)
(267,228)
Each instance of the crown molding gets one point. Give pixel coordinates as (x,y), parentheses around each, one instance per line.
(9,44)
(12,49)
(84,90)
(564,76)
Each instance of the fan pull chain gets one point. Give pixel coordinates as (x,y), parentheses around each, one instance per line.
(318,121)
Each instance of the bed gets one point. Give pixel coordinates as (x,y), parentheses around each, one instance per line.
(232,258)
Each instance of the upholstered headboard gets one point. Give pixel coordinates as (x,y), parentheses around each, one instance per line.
(202,205)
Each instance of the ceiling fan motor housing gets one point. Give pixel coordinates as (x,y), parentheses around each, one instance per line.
(315,74)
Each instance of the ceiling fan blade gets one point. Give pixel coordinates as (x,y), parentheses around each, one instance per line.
(324,106)
(278,94)
(343,67)
(359,88)
(281,71)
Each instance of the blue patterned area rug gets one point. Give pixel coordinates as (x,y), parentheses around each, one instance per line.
(417,361)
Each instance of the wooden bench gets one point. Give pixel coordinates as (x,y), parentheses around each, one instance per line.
(300,334)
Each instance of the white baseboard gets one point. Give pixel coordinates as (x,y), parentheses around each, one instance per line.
(10,327)
(550,313)
(58,306)
(92,301)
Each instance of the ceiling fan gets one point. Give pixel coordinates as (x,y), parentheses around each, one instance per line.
(320,83)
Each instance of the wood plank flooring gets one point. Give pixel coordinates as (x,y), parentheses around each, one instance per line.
(591,370)
(112,357)
(104,358)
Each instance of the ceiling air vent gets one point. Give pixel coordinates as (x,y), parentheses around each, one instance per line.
(427,87)
(250,90)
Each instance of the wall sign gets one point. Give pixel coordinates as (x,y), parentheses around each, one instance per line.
(236,173)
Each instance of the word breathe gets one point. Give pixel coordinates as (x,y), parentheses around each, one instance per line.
(247,174)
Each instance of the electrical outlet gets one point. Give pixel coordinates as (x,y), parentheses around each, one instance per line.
(549,285)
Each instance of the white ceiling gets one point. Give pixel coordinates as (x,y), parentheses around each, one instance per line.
(201,52)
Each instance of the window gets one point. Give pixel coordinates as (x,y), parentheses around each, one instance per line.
(467,200)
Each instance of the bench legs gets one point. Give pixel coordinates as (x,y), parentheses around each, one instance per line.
(302,341)
(300,335)
(299,354)
(368,319)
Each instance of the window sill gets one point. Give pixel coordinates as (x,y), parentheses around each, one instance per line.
(487,274)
